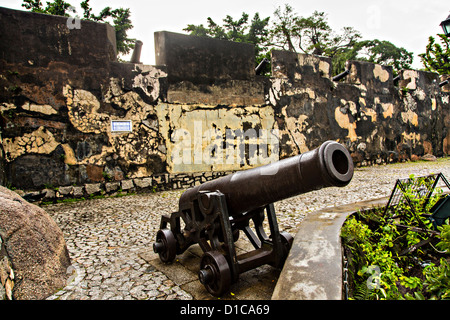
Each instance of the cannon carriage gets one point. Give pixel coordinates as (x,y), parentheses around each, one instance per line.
(214,213)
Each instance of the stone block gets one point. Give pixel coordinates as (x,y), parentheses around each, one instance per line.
(413,80)
(445,88)
(143,182)
(31,171)
(374,77)
(92,188)
(233,93)
(127,184)
(94,173)
(37,257)
(149,81)
(112,186)
(78,192)
(286,64)
(49,194)
(65,191)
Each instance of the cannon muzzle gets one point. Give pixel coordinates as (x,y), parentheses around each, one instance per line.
(330,165)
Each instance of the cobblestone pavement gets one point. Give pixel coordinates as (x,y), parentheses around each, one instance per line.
(108,239)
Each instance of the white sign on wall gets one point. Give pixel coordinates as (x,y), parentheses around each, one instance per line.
(121,126)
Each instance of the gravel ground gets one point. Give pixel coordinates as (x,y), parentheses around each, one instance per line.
(106,237)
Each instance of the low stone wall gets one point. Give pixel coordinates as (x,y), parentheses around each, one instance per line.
(120,188)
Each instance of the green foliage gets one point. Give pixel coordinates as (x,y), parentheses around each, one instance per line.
(384,52)
(437,280)
(121,22)
(374,51)
(120,18)
(437,56)
(444,244)
(385,261)
(313,35)
(57,7)
(106,176)
(285,29)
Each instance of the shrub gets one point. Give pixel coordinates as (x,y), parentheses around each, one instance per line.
(395,257)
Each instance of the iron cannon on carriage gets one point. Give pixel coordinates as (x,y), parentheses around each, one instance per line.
(213,214)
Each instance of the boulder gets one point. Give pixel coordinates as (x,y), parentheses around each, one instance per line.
(33,251)
(428,157)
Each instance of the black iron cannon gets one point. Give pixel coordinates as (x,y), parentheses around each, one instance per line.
(213,214)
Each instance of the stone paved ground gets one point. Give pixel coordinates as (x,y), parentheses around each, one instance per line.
(110,240)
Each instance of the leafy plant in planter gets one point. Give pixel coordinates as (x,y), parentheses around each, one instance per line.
(399,256)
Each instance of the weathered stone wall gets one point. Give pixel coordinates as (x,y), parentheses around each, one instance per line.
(60,89)
(201,109)
(377,120)
(2,161)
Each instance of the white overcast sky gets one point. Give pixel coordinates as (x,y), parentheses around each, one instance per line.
(406,23)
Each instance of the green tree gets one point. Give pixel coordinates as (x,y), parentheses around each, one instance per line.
(437,56)
(285,29)
(386,53)
(374,51)
(57,7)
(120,18)
(312,35)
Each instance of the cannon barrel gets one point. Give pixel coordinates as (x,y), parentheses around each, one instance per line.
(330,165)
(213,214)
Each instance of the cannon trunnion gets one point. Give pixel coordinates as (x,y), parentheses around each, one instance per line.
(213,214)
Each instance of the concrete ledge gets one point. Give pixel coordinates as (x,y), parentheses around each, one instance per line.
(313,269)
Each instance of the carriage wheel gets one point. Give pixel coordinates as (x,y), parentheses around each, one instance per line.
(165,245)
(286,240)
(215,273)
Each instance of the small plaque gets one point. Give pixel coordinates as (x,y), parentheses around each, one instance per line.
(121,126)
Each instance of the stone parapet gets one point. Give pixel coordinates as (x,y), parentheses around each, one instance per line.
(202,60)
(41,40)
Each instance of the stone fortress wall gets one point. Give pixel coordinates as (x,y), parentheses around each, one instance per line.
(199,113)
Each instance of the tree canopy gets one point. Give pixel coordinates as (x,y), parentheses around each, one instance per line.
(437,56)
(286,30)
(120,18)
